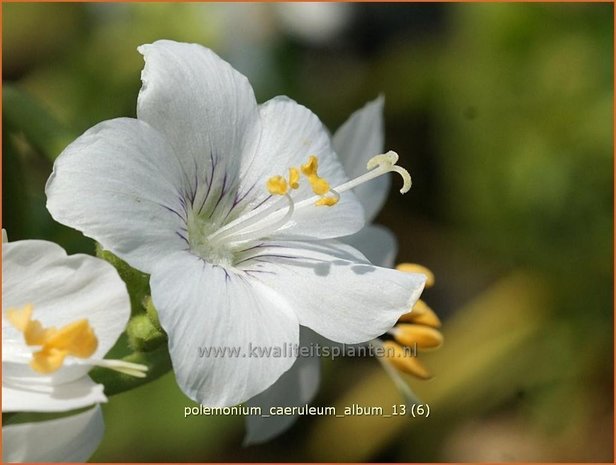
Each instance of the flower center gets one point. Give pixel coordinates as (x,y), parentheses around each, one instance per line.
(76,339)
(199,229)
(269,218)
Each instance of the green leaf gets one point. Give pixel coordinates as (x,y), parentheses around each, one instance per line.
(15,205)
(23,114)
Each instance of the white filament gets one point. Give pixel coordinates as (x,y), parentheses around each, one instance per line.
(128,368)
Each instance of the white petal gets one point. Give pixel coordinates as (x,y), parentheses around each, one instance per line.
(205,108)
(333,289)
(29,397)
(360,138)
(68,439)
(377,243)
(121,184)
(297,387)
(204,307)
(290,134)
(62,289)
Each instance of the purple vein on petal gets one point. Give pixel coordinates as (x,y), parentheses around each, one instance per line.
(222,194)
(173,211)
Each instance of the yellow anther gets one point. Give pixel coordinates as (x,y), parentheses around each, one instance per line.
(48,360)
(76,339)
(326,201)
(20,318)
(421,314)
(403,361)
(319,185)
(311,166)
(415,268)
(34,334)
(422,336)
(277,185)
(293,178)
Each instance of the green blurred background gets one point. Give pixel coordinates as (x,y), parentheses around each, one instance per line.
(504,115)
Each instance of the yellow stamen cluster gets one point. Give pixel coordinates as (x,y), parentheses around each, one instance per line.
(278,185)
(76,339)
(415,329)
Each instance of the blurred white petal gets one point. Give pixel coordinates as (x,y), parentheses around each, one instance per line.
(69,439)
(360,138)
(297,387)
(377,243)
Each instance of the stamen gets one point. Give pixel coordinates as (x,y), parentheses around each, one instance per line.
(20,319)
(128,368)
(328,201)
(48,360)
(76,339)
(392,371)
(271,225)
(396,356)
(277,185)
(415,268)
(319,185)
(421,314)
(422,336)
(310,167)
(293,178)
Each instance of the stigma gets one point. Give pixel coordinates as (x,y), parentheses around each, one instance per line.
(52,345)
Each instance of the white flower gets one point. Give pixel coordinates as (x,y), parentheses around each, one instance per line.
(69,439)
(60,316)
(361,136)
(191,193)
